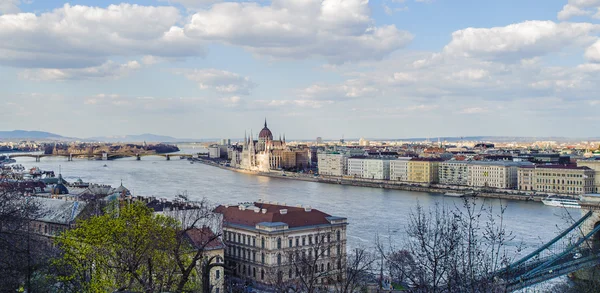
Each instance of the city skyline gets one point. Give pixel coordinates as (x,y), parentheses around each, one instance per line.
(378,69)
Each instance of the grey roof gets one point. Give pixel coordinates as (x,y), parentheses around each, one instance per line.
(59,211)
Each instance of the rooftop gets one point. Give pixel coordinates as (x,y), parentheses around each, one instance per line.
(251,214)
(204,238)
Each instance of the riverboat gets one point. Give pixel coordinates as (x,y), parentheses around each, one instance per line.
(561,202)
(454,194)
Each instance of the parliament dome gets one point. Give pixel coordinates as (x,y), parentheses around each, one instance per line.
(265,133)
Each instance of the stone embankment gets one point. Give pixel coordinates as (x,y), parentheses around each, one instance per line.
(373,183)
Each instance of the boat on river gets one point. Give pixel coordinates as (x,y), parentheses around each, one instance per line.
(454,194)
(566,202)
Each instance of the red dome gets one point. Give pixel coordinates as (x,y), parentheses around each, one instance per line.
(265,133)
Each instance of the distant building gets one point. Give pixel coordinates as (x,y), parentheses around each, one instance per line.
(454,173)
(332,164)
(594,165)
(561,179)
(58,215)
(225,141)
(214,253)
(263,239)
(399,169)
(495,174)
(319,140)
(423,170)
(369,168)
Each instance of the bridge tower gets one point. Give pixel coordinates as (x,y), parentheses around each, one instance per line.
(590,202)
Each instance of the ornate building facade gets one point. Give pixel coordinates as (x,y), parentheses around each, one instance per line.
(266,154)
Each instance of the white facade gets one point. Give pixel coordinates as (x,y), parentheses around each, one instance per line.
(214,152)
(332,164)
(454,173)
(494,174)
(369,168)
(399,169)
(356,167)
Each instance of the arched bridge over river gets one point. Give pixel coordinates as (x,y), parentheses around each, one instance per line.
(102,156)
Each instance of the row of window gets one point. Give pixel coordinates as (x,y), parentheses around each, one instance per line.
(251,241)
(250,255)
(554,181)
(249,271)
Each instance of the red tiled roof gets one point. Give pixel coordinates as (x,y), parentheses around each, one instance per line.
(200,236)
(295,217)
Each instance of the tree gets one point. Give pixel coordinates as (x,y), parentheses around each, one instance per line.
(454,249)
(358,267)
(24,255)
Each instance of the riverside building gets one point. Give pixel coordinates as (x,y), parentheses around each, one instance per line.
(423,170)
(454,173)
(594,165)
(495,174)
(368,168)
(399,169)
(560,179)
(332,164)
(265,242)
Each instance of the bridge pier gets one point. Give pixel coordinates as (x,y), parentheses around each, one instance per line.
(138,157)
(104,156)
(37,158)
(168,158)
(70,159)
(590,203)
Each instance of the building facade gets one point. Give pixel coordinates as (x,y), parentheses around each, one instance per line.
(356,166)
(559,179)
(454,173)
(594,165)
(423,170)
(332,164)
(265,241)
(495,174)
(399,169)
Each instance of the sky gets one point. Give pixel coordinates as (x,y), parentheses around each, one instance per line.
(327,68)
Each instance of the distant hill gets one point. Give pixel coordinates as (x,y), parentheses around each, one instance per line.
(147,137)
(28,135)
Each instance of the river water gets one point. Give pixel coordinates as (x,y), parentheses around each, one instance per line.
(370,211)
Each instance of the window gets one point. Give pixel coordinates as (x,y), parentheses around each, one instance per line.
(279,243)
(328,267)
(254,273)
(262,274)
(290,273)
(322,267)
(339,235)
(328,237)
(297,242)
(303,241)
(328,251)
(254,256)
(291,242)
(262,242)
(262,258)
(339,250)
(239,240)
(279,259)
(217,274)
(310,240)
(253,241)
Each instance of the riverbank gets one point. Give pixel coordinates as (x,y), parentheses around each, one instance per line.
(386,184)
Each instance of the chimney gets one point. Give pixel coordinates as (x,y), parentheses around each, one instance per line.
(283,211)
(257,210)
(242,207)
(264,211)
(307,209)
(299,206)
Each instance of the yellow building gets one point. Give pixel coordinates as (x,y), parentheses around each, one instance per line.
(423,170)
(558,179)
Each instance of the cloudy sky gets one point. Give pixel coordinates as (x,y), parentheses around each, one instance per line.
(383,69)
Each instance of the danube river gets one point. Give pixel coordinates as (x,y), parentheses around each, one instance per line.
(370,211)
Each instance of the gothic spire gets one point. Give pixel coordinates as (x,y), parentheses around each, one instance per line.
(265,122)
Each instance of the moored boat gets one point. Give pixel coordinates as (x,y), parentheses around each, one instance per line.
(454,194)
(561,202)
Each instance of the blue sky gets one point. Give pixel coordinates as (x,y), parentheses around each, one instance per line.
(358,68)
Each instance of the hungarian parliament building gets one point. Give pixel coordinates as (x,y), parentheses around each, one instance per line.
(266,154)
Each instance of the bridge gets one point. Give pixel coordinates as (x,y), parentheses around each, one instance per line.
(576,250)
(102,156)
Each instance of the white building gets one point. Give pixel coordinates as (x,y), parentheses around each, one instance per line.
(332,164)
(495,174)
(399,169)
(369,168)
(266,242)
(454,173)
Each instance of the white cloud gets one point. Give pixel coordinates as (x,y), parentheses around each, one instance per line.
(578,8)
(521,40)
(83,36)
(221,81)
(336,30)
(474,110)
(471,74)
(9,6)
(109,70)
(592,53)
(350,89)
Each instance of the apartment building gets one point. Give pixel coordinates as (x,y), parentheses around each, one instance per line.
(369,168)
(399,169)
(454,173)
(495,174)
(266,241)
(332,164)
(560,179)
(423,170)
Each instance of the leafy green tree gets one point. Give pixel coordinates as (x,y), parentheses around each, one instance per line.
(127,248)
